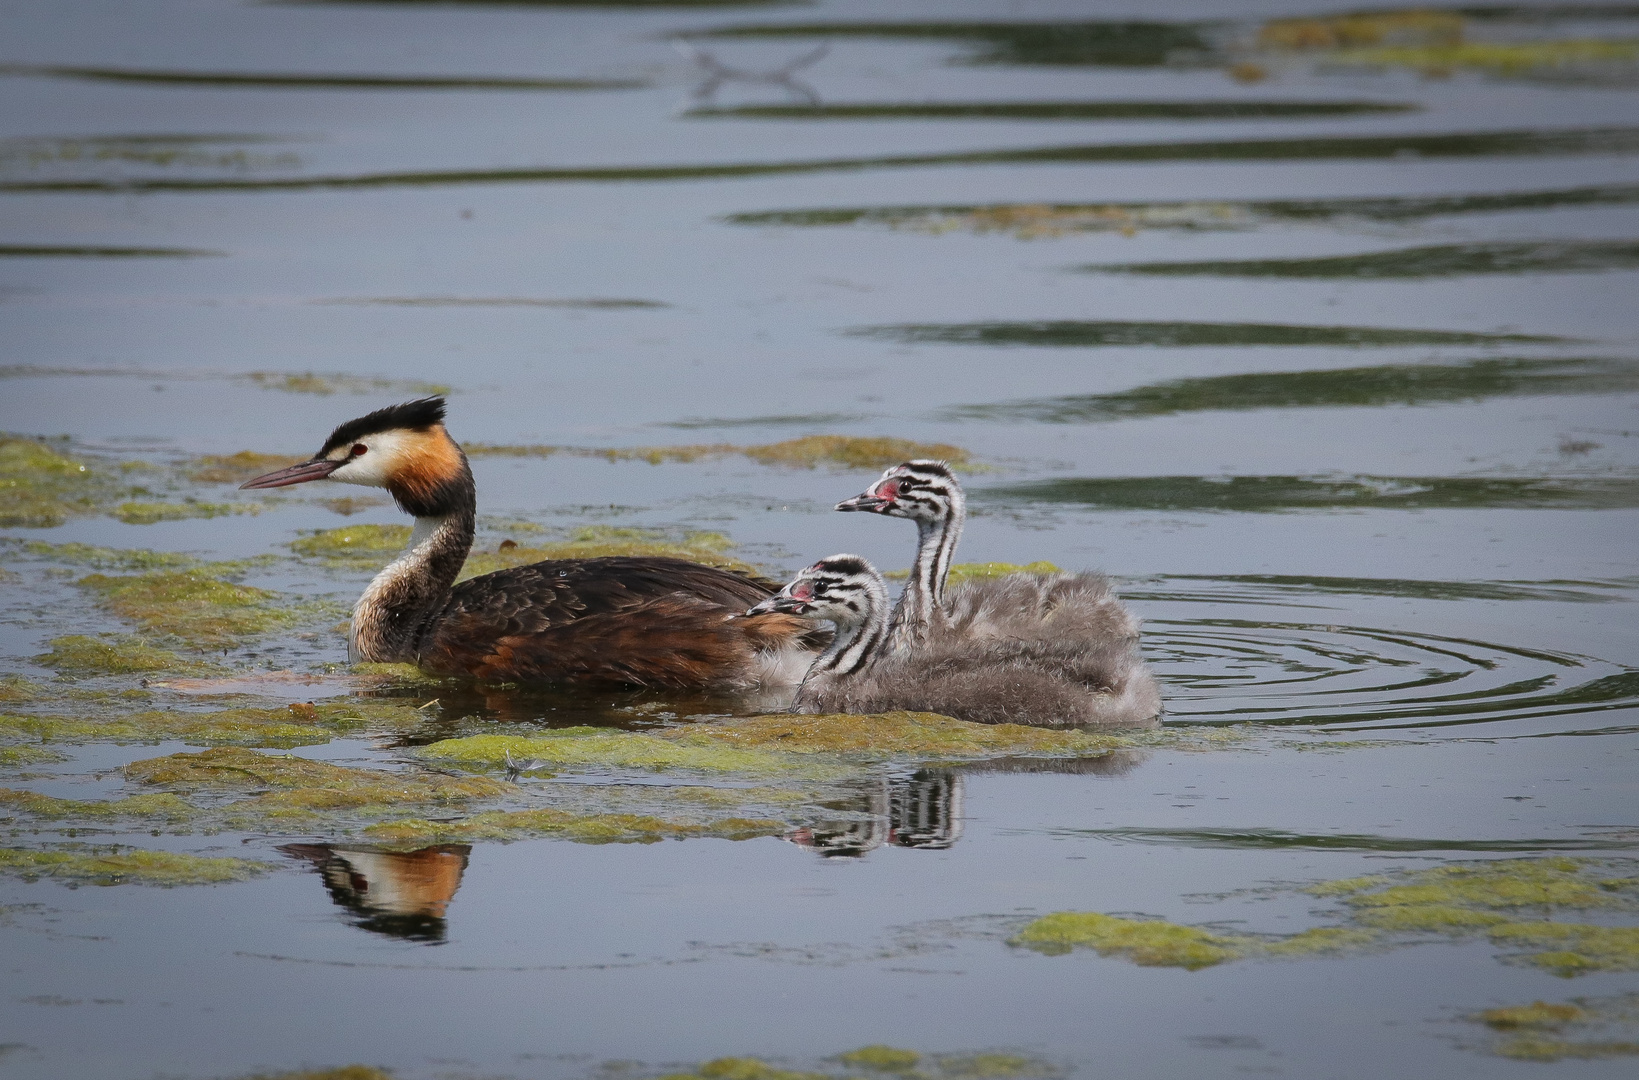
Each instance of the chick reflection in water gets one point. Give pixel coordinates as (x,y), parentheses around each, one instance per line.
(398,893)
(923,810)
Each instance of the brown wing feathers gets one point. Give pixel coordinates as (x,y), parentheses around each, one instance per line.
(614,620)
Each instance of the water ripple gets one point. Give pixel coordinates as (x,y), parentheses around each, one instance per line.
(1220,670)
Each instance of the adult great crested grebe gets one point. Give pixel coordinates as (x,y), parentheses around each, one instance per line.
(657,622)
(1075,681)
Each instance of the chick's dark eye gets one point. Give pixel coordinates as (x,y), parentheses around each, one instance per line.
(359,449)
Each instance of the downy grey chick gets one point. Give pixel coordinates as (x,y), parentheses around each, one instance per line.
(981,679)
(1070,623)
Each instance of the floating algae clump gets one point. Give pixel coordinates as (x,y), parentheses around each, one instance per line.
(164,806)
(1538,1014)
(582,828)
(149,513)
(14,688)
(852,452)
(992,1066)
(899,733)
(12,757)
(594,541)
(611,749)
(1486,898)
(1573,948)
(192,605)
(236,468)
(1507,883)
(776,743)
(102,558)
(122,867)
(737,1068)
(354,546)
(1146,943)
(1458,901)
(1362,28)
(290,786)
(294,725)
(77,654)
(40,488)
(345,1072)
(882,1058)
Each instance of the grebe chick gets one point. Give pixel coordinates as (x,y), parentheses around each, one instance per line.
(657,622)
(1074,610)
(984,680)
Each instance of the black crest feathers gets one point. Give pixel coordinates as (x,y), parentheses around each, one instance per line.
(417,415)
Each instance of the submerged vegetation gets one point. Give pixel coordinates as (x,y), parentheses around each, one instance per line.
(1581,1030)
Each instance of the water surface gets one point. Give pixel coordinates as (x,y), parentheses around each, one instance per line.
(1315,331)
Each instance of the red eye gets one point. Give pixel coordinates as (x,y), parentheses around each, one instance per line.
(359,449)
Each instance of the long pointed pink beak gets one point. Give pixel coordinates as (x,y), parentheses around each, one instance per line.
(301,473)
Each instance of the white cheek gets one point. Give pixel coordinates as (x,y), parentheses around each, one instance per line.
(372,468)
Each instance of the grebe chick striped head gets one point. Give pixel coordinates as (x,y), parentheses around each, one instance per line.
(403,448)
(923,491)
(842,589)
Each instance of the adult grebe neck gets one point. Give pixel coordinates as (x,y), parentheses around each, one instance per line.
(397,607)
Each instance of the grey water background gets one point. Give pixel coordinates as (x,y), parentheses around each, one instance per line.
(1361,446)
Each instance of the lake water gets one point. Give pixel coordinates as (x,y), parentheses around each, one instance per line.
(1316,332)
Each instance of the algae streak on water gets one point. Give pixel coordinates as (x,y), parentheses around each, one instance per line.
(809,451)
(582,828)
